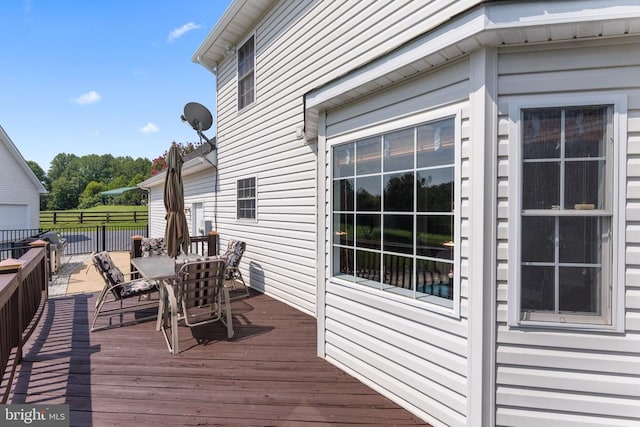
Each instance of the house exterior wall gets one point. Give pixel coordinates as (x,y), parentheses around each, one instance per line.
(198,187)
(449,368)
(19,196)
(563,376)
(261,140)
(414,352)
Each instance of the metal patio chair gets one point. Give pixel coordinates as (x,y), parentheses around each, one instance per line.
(117,289)
(233,275)
(200,298)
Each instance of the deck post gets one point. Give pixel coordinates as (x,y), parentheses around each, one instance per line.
(212,243)
(135,251)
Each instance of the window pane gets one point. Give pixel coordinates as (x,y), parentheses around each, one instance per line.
(398,233)
(344,262)
(343,229)
(369,156)
(368,231)
(435,190)
(436,144)
(585,130)
(584,183)
(398,150)
(245,91)
(579,289)
(368,265)
(540,185)
(343,195)
(398,192)
(580,240)
(246,209)
(538,237)
(369,195)
(434,278)
(398,271)
(245,57)
(541,133)
(343,161)
(538,290)
(434,236)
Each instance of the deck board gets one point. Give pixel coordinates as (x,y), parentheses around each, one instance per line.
(267,375)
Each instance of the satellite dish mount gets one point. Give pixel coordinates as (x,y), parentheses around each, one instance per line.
(199,118)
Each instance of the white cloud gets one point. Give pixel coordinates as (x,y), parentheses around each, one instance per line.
(88,98)
(149,128)
(179,32)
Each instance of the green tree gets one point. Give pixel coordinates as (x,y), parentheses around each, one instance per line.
(65,193)
(59,165)
(91,195)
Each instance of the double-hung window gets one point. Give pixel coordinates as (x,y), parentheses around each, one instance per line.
(246,198)
(246,73)
(564,228)
(394,211)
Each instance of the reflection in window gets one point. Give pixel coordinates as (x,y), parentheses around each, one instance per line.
(393,205)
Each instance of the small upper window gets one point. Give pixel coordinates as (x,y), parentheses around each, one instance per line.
(246,201)
(246,74)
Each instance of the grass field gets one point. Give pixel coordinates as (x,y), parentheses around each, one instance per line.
(98,215)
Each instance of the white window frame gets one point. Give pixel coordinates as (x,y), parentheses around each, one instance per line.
(255,198)
(253,71)
(453,111)
(612,318)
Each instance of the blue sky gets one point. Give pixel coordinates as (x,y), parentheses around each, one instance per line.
(102,77)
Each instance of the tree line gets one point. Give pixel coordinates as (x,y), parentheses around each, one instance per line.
(75,182)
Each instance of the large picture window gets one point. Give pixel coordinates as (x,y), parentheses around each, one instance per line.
(394,211)
(246,74)
(565,271)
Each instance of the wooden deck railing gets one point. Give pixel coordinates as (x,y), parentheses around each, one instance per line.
(23,295)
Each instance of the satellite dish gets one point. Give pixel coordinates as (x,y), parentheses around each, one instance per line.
(199,117)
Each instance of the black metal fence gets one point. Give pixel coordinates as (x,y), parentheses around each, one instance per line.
(79,240)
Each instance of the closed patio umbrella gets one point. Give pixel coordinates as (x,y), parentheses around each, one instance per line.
(176,234)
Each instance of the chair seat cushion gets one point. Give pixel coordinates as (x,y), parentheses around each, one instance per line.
(137,287)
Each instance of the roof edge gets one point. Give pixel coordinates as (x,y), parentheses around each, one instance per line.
(21,161)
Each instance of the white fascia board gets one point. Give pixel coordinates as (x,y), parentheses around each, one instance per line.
(20,160)
(194,165)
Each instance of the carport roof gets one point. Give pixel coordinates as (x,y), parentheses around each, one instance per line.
(118,191)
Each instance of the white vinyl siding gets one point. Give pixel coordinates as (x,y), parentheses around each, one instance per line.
(565,377)
(199,187)
(413,351)
(262,140)
(19,196)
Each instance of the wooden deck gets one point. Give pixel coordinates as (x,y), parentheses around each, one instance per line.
(267,375)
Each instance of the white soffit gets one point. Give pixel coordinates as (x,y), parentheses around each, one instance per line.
(488,25)
(237,20)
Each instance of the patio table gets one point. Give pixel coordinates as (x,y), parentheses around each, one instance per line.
(162,268)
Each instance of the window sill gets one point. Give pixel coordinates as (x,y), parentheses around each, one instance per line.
(565,326)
